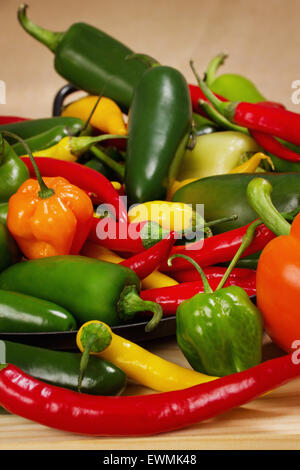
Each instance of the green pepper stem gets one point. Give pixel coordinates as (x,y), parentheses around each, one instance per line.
(115,166)
(246,241)
(2,366)
(95,337)
(81,144)
(259,197)
(131,303)
(147,59)
(213,66)
(206,286)
(44,192)
(48,38)
(212,223)
(219,119)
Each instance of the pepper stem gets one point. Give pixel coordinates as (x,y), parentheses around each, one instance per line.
(147,59)
(213,66)
(219,119)
(246,241)
(115,166)
(131,303)
(48,38)
(81,144)
(44,192)
(95,337)
(2,366)
(259,197)
(206,286)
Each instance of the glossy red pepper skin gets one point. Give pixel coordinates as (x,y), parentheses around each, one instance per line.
(144,263)
(83,177)
(267,119)
(10,119)
(273,146)
(197,94)
(142,415)
(215,273)
(218,248)
(169,298)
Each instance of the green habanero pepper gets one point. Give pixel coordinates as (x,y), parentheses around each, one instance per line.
(224,195)
(220,332)
(9,251)
(13,172)
(61,368)
(20,313)
(88,288)
(90,59)
(34,127)
(160,123)
(234,87)
(216,154)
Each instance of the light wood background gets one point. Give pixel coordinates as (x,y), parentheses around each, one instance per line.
(262,40)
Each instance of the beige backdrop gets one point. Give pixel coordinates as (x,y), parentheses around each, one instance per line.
(262,39)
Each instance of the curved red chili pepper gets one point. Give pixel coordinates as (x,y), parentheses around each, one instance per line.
(215,274)
(83,177)
(169,298)
(271,145)
(218,248)
(143,264)
(141,415)
(10,119)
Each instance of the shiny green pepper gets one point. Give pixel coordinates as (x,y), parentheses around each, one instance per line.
(13,172)
(234,87)
(220,332)
(9,252)
(216,154)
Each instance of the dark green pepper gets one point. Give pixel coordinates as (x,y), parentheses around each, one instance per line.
(234,87)
(224,195)
(88,288)
(91,59)
(34,127)
(157,138)
(3,212)
(13,172)
(21,313)
(61,368)
(9,251)
(220,332)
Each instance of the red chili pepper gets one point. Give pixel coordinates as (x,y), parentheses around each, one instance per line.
(218,248)
(215,274)
(10,119)
(169,298)
(271,145)
(141,415)
(143,264)
(83,177)
(197,94)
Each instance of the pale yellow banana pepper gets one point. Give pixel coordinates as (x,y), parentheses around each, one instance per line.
(251,165)
(107,116)
(140,365)
(154,280)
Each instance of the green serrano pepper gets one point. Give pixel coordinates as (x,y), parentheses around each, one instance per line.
(21,313)
(224,195)
(160,124)
(61,368)
(88,288)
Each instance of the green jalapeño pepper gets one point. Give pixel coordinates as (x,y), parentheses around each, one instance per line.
(216,154)
(220,332)
(234,87)
(61,368)
(91,59)
(88,288)
(224,195)
(160,123)
(13,172)
(9,252)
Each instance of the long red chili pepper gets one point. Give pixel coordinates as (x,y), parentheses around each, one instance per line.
(144,263)
(271,145)
(218,248)
(215,274)
(142,415)
(197,94)
(169,298)
(83,177)
(10,119)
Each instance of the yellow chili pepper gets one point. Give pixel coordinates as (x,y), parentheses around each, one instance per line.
(172,216)
(154,280)
(251,165)
(107,116)
(176,185)
(138,364)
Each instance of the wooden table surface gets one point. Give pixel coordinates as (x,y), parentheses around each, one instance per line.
(262,39)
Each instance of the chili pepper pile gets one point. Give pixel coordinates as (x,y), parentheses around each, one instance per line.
(148,197)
